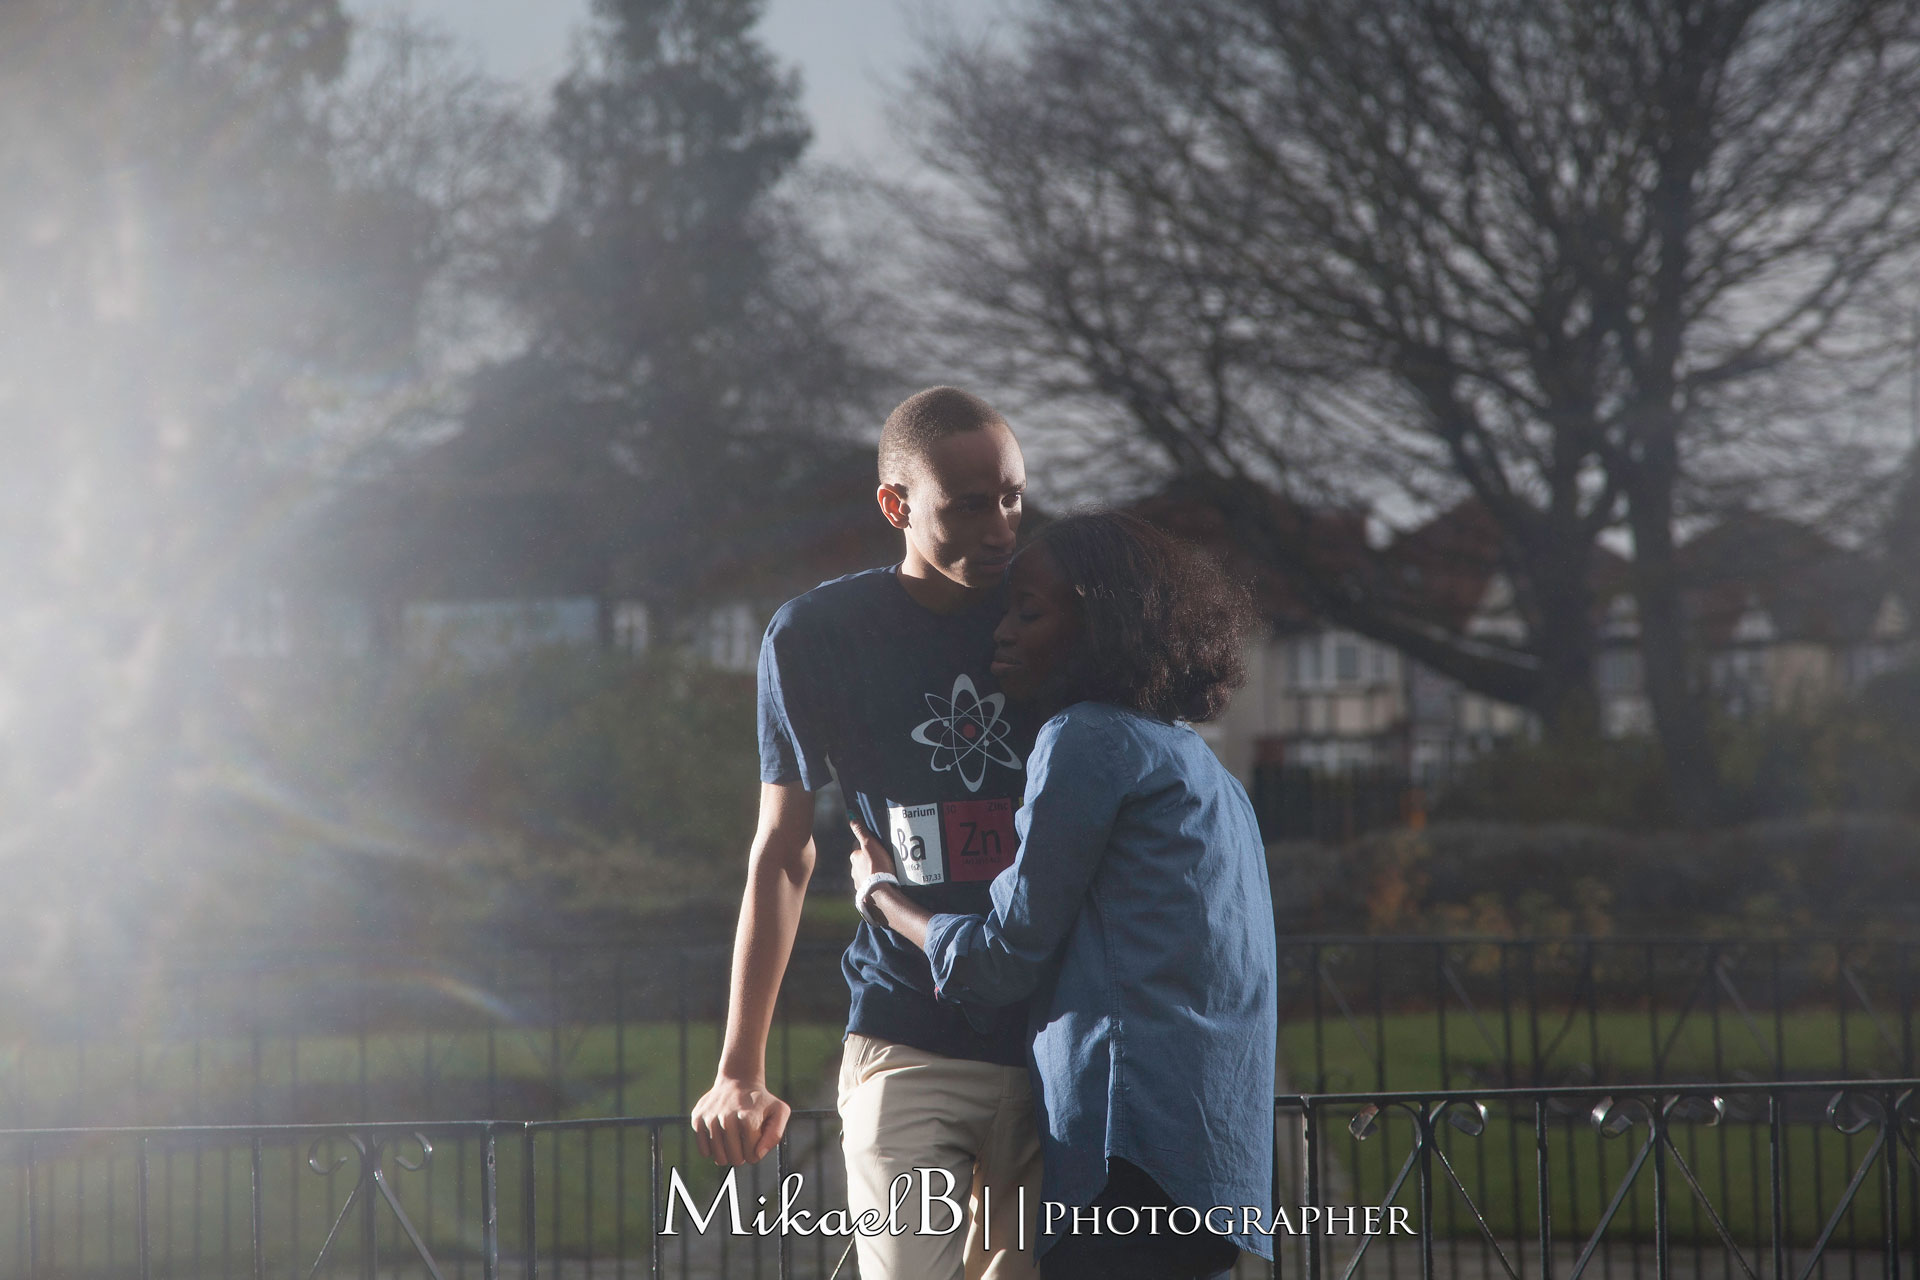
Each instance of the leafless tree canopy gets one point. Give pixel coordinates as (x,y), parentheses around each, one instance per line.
(1585,262)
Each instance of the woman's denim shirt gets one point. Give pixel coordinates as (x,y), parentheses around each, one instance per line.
(1139,917)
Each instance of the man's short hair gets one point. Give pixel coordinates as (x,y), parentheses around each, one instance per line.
(921,419)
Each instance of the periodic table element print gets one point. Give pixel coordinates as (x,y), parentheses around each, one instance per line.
(980,840)
(918,853)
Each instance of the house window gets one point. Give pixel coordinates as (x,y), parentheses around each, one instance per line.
(1623,619)
(1309,650)
(1346,658)
(1620,671)
(480,633)
(1755,626)
(630,627)
(731,636)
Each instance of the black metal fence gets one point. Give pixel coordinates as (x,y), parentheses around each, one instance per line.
(558,1032)
(1754,1180)
(1765,1180)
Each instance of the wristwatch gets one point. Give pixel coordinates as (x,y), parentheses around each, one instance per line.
(863,897)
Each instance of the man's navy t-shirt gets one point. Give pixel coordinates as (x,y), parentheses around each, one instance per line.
(861,683)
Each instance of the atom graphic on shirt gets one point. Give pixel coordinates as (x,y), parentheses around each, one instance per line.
(966,732)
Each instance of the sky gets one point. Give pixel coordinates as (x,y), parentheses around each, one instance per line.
(845,50)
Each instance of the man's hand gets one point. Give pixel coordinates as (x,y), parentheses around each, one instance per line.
(738,1122)
(871,857)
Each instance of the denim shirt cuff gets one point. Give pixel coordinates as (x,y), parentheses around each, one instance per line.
(946,936)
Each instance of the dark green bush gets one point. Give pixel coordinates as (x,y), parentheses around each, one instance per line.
(1857,875)
(566,788)
(1859,755)
(1608,783)
(568,748)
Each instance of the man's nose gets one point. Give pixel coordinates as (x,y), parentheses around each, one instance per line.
(1000,538)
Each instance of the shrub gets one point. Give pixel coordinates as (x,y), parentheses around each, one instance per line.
(1846,874)
(1610,783)
(562,786)
(1859,755)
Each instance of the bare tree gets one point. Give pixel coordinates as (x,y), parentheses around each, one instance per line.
(1543,253)
(415,119)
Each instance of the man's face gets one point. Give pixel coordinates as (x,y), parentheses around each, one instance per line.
(963,505)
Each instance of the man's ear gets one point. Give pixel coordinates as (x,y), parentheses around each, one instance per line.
(893,504)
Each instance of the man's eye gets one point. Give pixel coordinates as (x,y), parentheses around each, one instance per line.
(1027,617)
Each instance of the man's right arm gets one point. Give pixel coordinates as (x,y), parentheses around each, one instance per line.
(739,1120)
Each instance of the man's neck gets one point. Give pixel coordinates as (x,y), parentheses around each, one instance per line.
(935,591)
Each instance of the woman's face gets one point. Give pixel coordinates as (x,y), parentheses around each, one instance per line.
(1041,627)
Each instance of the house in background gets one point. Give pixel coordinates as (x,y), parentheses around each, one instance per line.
(1328,700)
(1786,621)
(1783,618)
(480,547)
(1333,732)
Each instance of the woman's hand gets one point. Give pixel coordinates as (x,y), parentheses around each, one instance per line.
(901,914)
(871,857)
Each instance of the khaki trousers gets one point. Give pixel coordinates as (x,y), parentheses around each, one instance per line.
(903,1111)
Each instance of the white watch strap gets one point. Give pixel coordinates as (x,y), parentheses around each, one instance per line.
(863,897)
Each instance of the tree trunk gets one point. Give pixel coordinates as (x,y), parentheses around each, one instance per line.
(1563,636)
(1679,710)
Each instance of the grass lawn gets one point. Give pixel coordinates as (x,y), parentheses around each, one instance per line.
(507,1073)
(1616,1045)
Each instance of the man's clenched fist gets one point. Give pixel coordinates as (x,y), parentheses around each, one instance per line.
(738,1121)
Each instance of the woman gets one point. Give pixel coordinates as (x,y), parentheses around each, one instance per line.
(1137,914)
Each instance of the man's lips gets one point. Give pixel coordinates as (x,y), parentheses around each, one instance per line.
(1000,665)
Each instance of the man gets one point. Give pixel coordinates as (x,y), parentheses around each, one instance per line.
(880,679)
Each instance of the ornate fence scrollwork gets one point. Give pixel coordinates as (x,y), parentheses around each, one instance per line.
(370,1150)
(1870,1111)
(1467,1116)
(1672,1163)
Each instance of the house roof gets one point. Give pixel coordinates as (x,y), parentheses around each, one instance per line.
(1338,536)
(1444,567)
(1752,565)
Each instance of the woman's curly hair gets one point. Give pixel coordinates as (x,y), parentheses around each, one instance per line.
(1161,626)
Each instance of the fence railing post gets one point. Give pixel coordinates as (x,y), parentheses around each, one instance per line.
(141,1225)
(258,1197)
(1543,1188)
(1310,1139)
(529,1204)
(490,1206)
(654,1271)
